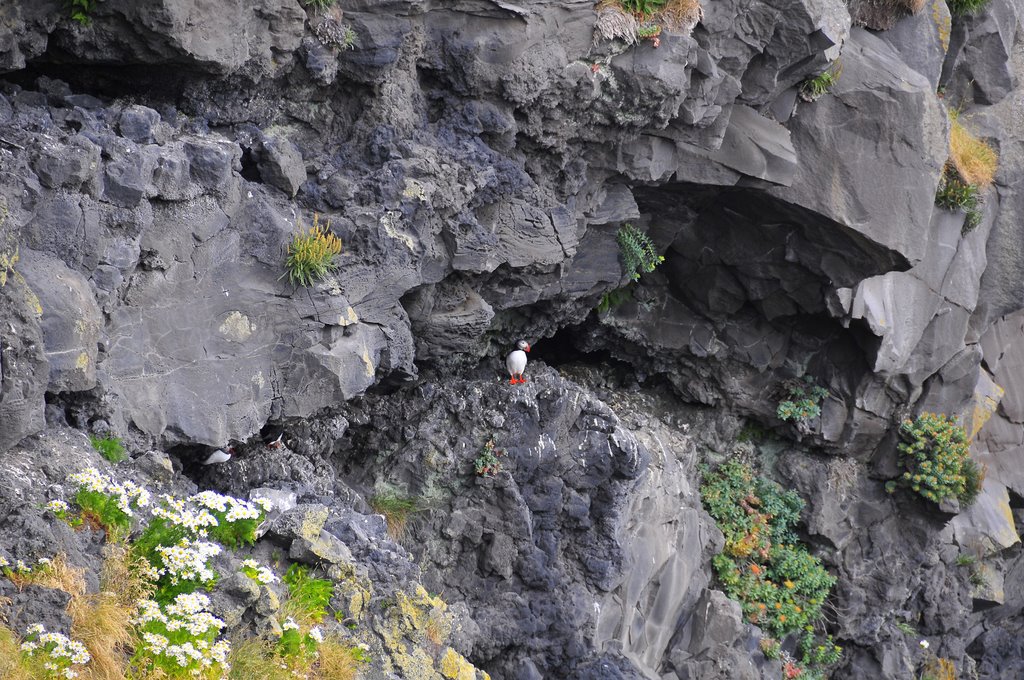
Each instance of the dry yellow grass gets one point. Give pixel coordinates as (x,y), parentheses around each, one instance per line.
(101,621)
(681,15)
(12,665)
(254,659)
(975,161)
(336,661)
(257,659)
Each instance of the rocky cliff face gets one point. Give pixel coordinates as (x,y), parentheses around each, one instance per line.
(476,160)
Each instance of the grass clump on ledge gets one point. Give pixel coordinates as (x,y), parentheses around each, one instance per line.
(318,5)
(970,170)
(110,448)
(634,20)
(396,510)
(780,586)
(312,255)
(935,457)
(813,88)
(959,8)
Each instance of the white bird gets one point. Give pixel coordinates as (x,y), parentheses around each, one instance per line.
(515,362)
(218,456)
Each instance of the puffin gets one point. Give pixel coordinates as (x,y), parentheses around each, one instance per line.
(218,456)
(515,362)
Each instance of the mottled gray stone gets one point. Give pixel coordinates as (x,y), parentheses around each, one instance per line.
(137,123)
(71,321)
(69,165)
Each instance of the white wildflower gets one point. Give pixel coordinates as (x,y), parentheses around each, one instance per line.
(316,634)
(57,506)
(289,624)
(924,644)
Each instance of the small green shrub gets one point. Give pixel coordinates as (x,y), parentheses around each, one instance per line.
(638,251)
(906,628)
(815,87)
(110,448)
(487,463)
(312,255)
(961,8)
(934,455)
(804,403)
(308,597)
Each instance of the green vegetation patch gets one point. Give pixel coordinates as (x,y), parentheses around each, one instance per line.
(935,456)
(110,448)
(312,255)
(780,586)
(309,597)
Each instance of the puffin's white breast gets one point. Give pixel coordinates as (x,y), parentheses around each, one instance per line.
(516,362)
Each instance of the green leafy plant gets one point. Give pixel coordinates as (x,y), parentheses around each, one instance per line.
(954,194)
(81,10)
(613,299)
(815,87)
(638,251)
(487,463)
(804,403)
(396,510)
(965,560)
(308,597)
(906,628)
(935,456)
(780,586)
(312,255)
(110,448)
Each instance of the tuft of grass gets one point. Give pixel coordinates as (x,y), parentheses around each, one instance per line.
(815,87)
(961,8)
(396,510)
(308,597)
(681,15)
(337,660)
(110,448)
(255,659)
(318,5)
(13,664)
(906,628)
(312,255)
(975,160)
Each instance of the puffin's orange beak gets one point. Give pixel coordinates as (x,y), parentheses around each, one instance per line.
(527,347)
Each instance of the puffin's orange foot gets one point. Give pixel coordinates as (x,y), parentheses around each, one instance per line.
(522,379)
(512,381)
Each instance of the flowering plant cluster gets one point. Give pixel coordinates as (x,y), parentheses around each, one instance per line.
(180,638)
(110,504)
(257,572)
(177,541)
(935,456)
(780,586)
(59,653)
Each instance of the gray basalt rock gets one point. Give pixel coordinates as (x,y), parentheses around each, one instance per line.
(281,165)
(70,322)
(880,180)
